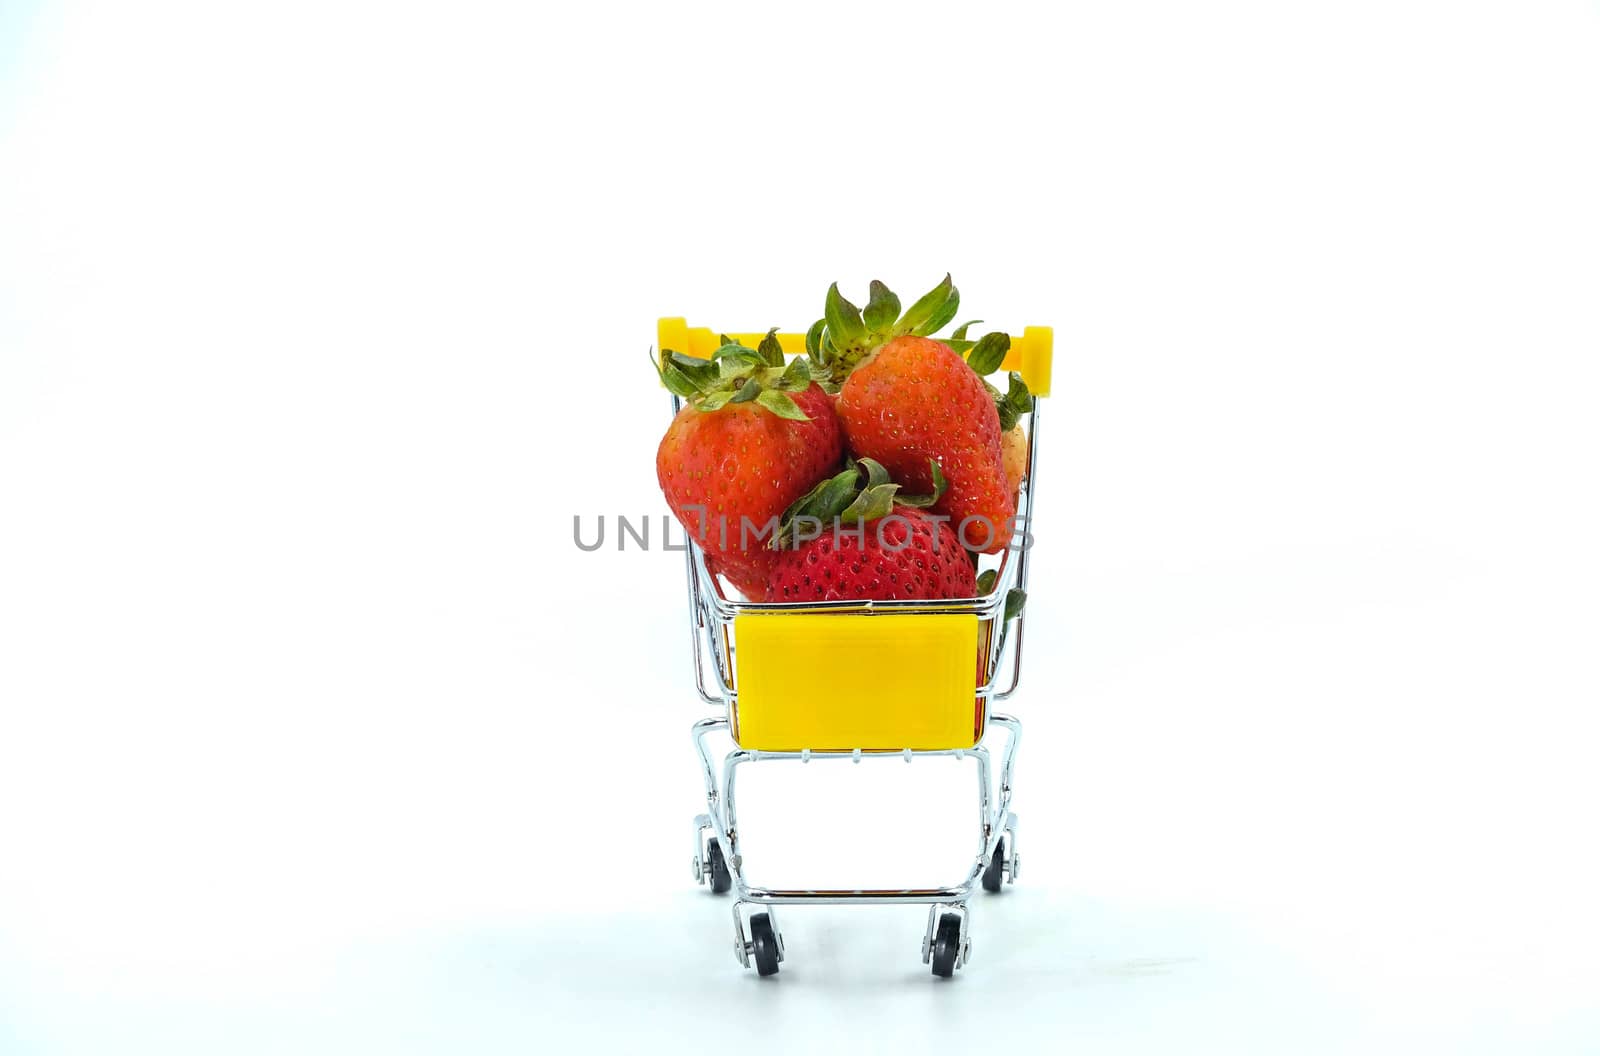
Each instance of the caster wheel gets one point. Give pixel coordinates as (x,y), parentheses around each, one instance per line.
(947,946)
(764,944)
(721,879)
(994,875)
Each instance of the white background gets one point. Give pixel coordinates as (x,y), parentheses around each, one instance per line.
(319,322)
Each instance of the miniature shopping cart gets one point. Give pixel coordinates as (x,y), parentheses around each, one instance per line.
(755,663)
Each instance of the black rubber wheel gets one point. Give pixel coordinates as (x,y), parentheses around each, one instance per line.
(765,943)
(947,945)
(994,875)
(721,879)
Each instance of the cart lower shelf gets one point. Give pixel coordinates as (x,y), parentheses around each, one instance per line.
(946,941)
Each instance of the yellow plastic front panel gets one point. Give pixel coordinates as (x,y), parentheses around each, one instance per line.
(833,682)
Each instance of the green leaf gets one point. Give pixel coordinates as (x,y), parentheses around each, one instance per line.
(1017,391)
(883,308)
(804,503)
(702,372)
(715,401)
(1016,402)
(673,378)
(796,376)
(835,494)
(822,503)
(872,503)
(747,392)
(814,339)
(990,351)
(986,580)
(734,350)
(960,332)
(845,327)
(1015,599)
(771,350)
(944,314)
(922,502)
(676,382)
(780,404)
(929,304)
(877,474)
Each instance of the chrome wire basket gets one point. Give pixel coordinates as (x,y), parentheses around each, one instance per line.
(773,708)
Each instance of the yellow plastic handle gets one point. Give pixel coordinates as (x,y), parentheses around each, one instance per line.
(1029,356)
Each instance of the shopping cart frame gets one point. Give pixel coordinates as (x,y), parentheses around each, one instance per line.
(717,860)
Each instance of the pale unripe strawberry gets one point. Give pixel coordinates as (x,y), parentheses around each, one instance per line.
(1014,453)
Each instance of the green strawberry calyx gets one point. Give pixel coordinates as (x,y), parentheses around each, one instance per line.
(1012,404)
(862,492)
(846,335)
(737,374)
(1016,598)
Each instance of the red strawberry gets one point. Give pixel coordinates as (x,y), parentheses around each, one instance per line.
(754,436)
(870,546)
(908,399)
(915,399)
